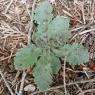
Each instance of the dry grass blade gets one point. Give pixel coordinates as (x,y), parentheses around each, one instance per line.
(86,91)
(6,83)
(9,6)
(22,83)
(68,84)
(64,72)
(31,22)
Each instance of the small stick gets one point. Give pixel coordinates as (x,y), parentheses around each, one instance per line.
(83,32)
(84,38)
(17,74)
(64,75)
(67,13)
(31,22)
(6,83)
(92,11)
(22,83)
(16,92)
(86,74)
(85,91)
(79,88)
(61,86)
(8,6)
(46,93)
(1,91)
(7,58)
(86,31)
(83,14)
(80,71)
(63,4)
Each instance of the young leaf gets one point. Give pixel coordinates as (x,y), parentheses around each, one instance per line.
(42,28)
(59,27)
(55,64)
(78,54)
(26,57)
(43,13)
(62,51)
(42,73)
(47,65)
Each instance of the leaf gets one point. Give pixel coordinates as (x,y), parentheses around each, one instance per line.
(55,64)
(42,28)
(62,51)
(59,29)
(42,73)
(76,54)
(26,57)
(50,30)
(60,21)
(39,38)
(47,65)
(43,13)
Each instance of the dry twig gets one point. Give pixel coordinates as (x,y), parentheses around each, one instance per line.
(89,90)
(22,83)
(61,86)
(31,22)
(8,6)
(6,83)
(64,75)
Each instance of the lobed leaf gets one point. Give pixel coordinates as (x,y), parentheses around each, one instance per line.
(42,73)
(76,53)
(55,64)
(59,28)
(43,13)
(26,57)
(47,65)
